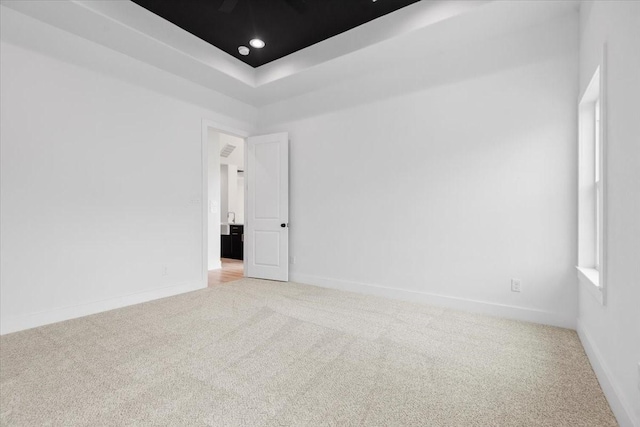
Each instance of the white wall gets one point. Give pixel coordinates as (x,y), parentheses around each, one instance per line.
(240,200)
(229,193)
(611,333)
(101,201)
(214,186)
(445,194)
(233,182)
(234,190)
(237,155)
(224,193)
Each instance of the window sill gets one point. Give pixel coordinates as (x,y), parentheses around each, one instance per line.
(590,280)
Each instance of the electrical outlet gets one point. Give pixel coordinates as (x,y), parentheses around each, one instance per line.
(516,285)
(292,260)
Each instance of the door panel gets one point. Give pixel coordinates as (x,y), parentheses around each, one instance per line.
(267,179)
(267,183)
(267,248)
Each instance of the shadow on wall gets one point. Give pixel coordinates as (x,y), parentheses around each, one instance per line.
(472,59)
(31,34)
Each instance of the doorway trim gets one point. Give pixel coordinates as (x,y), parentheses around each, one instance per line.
(215,126)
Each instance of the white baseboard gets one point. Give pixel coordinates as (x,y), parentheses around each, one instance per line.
(33,320)
(484,307)
(621,409)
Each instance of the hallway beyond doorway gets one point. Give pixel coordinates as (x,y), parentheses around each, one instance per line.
(232,269)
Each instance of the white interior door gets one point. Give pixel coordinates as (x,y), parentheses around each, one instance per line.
(267,214)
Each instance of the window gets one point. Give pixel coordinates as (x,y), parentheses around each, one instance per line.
(591,188)
(597,185)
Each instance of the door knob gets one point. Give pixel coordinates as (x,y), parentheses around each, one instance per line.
(283,225)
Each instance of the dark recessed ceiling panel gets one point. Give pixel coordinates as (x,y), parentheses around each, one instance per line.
(286,26)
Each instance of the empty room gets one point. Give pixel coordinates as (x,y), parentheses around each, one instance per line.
(320,213)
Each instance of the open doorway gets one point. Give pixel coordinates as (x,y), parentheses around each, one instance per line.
(231,208)
(256,206)
(225,165)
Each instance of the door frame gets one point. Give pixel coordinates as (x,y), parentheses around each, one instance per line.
(240,133)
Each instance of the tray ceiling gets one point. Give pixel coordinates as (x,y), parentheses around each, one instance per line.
(286,26)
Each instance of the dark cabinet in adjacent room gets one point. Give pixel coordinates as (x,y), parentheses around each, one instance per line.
(225,246)
(232,245)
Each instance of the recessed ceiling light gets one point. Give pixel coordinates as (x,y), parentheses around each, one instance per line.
(257,43)
(243,50)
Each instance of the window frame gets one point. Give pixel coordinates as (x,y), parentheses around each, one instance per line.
(592,187)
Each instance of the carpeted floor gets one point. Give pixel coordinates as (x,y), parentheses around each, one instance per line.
(259,353)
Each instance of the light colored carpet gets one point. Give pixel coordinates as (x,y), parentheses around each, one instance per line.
(259,353)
